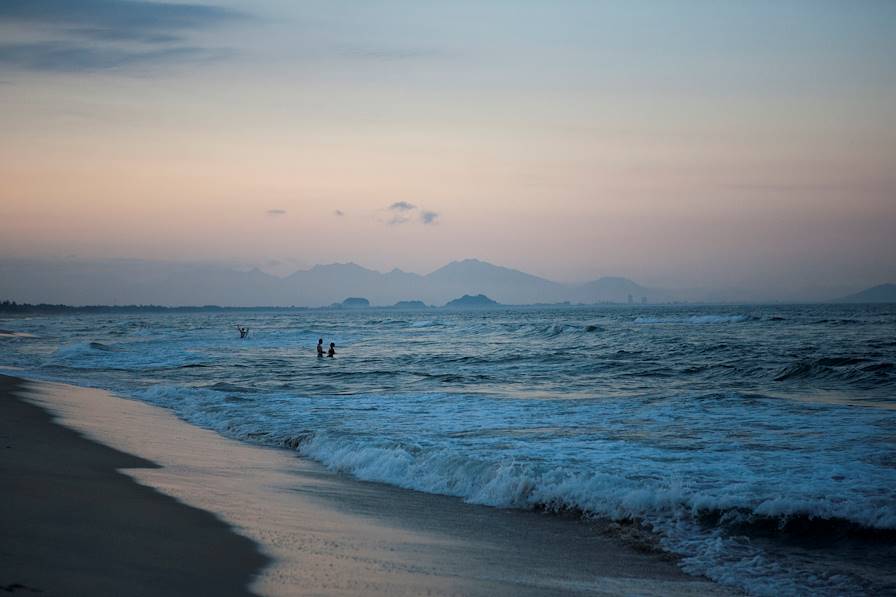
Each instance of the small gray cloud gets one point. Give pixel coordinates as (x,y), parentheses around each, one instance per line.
(338,213)
(403,212)
(402,206)
(276,212)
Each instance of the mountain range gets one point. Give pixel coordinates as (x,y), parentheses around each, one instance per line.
(162,283)
(137,282)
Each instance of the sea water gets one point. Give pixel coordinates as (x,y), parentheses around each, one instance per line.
(758,443)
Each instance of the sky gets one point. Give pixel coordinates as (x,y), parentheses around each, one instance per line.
(688,143)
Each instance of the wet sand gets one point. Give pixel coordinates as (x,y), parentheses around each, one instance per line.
(326,534)
(73,525)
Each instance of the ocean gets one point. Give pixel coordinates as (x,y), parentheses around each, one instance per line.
(758,443)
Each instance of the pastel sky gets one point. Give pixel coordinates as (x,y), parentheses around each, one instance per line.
(680,143)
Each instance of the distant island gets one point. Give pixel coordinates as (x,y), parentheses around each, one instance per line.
(480,301)
(353,303)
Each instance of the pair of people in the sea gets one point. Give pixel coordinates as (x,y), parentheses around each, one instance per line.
(244,331)
(320,348)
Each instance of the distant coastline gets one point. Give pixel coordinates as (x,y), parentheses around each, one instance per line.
(13,308)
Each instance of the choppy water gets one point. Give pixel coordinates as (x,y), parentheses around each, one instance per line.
(759,443)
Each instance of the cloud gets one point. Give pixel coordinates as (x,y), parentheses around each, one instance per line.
(387,54)
(338,212)
(92,35)
(276,212)
(402,206)
(67,57)
(120,18)
(404,212)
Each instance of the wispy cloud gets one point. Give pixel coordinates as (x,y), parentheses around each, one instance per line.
(402,206)
(388,54)
(428,217)
(338,213)
(68,57)
(276,212)
(91,35)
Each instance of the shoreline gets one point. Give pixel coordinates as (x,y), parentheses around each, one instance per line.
(329,534)
(73,524)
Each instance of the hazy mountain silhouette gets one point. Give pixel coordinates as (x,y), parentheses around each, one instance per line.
(146,282)
(882,293)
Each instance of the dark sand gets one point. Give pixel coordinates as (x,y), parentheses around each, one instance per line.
(73,525)
(76,523)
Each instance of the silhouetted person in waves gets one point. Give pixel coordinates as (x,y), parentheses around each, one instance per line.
(320,347)
(332,351)
(244,331)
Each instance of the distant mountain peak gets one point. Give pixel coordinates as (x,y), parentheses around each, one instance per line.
(882,293)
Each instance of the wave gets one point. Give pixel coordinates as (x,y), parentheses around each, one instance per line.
(843,369)
(81,349)
(556,329)
(125,356)
(837,322)
(697,319)
(518,485)
(428,324)
(222,386)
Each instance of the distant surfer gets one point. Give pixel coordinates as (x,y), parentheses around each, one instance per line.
(320,347)
(332,351)
(244,331)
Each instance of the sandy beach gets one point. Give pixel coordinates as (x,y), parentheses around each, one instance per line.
(74,525)
(111,496)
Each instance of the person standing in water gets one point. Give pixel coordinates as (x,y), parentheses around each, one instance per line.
(320,347)
(332,351)
(244,331)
